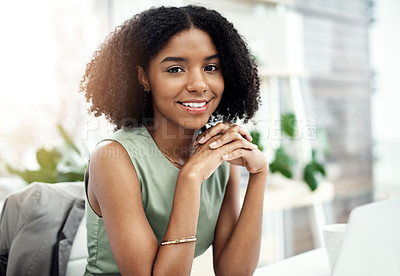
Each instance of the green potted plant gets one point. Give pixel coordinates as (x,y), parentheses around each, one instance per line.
(284,163)
(63,163)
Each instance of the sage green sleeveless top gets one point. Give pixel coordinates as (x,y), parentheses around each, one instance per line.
(157,177)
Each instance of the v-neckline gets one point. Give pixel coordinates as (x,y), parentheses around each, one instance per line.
(158,149)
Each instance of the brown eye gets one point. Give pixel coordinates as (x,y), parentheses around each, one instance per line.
(211,68)
(175,70)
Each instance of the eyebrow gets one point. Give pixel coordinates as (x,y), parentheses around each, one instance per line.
(212,57)
(184,59)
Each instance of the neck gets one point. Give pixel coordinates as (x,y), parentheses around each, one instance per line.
(173,140)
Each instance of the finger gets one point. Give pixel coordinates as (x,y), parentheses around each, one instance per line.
(235,154)
(219,128)
(245,134)
(238,144)
(227,137)
(234,133)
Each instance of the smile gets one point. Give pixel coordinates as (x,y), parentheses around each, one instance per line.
(195,106)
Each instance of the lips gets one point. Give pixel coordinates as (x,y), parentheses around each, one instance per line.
(195,106)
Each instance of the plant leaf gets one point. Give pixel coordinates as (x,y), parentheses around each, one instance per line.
(70,176)
(282,163)
(29,176)
(319,168)
(48,159)
(16,172)
(288,124)
(309,178)
(68,140)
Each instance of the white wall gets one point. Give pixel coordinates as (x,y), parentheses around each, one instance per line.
(385,61)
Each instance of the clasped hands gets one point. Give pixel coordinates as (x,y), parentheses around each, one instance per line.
(227,142)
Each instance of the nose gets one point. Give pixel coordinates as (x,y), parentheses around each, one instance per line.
(196,82)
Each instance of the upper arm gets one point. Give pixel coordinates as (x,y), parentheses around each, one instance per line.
(229,213)
(114,189)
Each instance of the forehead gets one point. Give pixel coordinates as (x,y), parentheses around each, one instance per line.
(192,42)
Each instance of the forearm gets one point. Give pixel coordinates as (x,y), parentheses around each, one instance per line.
(177,259)
(244,242)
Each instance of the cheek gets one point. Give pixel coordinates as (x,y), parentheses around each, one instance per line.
(219,86)
(166,88)
(222,88)
(217,83)
(162,92)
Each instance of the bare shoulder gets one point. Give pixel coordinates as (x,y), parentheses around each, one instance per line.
(108,149)
(107,157)
(115,195)
(110,171)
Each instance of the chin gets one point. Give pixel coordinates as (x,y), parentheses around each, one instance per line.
(196,124)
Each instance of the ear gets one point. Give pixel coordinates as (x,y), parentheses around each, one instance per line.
(142,78)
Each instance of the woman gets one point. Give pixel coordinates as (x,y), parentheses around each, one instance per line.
(159,193)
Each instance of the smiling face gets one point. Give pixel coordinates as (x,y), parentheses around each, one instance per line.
(185,80)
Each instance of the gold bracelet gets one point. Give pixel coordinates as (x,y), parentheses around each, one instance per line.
(179,240)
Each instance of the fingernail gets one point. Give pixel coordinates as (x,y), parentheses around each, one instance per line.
(226,156)
(255,146)
(201,139)
(213,144)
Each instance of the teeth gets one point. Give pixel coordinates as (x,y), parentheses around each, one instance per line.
(194,105)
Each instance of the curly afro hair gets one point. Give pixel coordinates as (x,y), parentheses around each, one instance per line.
(110,82)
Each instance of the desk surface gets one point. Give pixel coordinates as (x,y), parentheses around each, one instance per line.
(311,263)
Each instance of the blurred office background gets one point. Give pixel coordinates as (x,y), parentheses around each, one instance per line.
(342,55)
